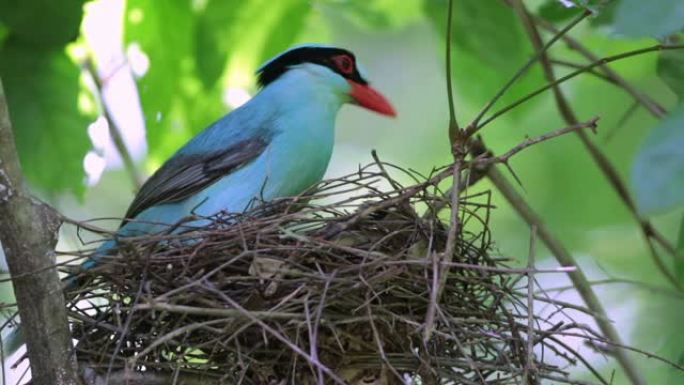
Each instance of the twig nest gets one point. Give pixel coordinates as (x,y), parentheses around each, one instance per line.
(335,288)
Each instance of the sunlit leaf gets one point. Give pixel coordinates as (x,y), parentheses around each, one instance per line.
(671,70)
(42,90)
(164,32)
(658,170)
(218,28)
(656,18)
(42,22)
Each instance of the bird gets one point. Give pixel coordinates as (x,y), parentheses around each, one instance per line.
(276,145)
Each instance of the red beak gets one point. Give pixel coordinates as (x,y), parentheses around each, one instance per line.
(367,97)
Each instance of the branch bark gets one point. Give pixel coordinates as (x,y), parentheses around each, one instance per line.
(28,232)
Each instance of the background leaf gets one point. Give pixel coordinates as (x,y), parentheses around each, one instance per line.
(164,32)
(670,68)
(42,22)
(658,170)
(655,18)
(42,90)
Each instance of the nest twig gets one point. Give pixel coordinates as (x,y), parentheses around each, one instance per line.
(331,288)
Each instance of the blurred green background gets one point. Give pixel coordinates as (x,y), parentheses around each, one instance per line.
(169,68)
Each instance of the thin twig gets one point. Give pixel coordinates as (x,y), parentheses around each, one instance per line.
(114,132)
(588,67)
(529,376)
(475,126)
(484,160)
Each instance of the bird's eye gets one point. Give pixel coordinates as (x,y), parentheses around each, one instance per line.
(344,63)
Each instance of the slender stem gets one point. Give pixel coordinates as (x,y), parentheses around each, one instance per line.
(651,105)
(475,126)
(453,123)
(114,132)
(597,63)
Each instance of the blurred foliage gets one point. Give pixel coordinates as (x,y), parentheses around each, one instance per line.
(197,49)
(671,70)
(658,172)
(43,88)
(655,18)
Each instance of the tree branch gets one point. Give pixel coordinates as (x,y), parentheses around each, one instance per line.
(28,231)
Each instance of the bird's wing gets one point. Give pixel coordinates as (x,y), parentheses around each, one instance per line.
(186,174)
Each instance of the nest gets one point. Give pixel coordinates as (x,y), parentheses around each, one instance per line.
(348,286)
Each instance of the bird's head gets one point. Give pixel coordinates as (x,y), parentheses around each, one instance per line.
(335,67)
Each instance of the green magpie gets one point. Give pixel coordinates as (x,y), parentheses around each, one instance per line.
(276,145)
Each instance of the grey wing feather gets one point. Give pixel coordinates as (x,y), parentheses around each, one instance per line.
(186,174)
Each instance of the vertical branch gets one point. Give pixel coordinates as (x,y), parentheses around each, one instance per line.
(457,141)
(453,123)
(28,231)
(529,374)
(114,131)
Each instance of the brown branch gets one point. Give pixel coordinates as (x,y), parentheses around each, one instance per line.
(114,131)
(28,231)
(484,160)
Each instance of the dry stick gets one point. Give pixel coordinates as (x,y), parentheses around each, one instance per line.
(457,140)
(485,160)
(114,131)
(599,157)
(475,125)
(279,336)
(530,367)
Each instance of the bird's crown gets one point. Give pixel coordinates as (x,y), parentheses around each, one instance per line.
(339,60)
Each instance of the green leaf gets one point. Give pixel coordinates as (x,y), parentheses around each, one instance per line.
(679,263)
(378,14)
(658,170)
(285,29)
(42,91)
(482,52)
(3,34)
(555,11)
(670,68)
(655,18)
(216,33)
(42,22)
(163,29)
